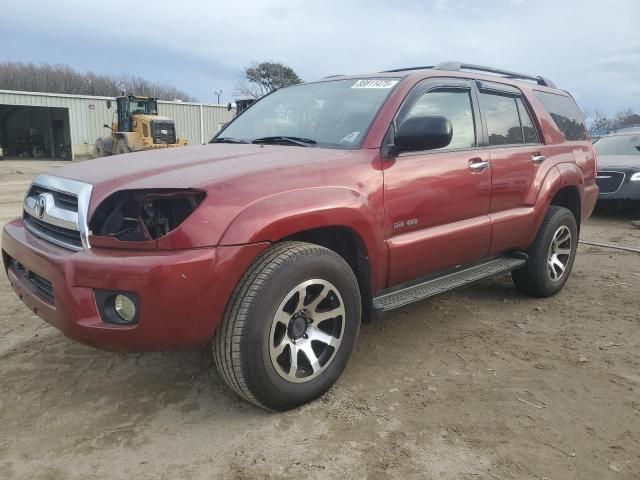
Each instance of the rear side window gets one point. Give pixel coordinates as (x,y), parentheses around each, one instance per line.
(456,106)
(503,121)
(565,113)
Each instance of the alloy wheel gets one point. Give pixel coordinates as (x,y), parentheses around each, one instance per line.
(306,331)
(559,253)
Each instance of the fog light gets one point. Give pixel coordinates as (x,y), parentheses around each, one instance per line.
(124,307)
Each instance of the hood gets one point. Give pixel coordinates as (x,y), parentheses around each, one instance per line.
(618,161)
(213,168)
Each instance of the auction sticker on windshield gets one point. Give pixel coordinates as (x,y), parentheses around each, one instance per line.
(376,83)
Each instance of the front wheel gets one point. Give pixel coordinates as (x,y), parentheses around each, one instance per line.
(551,255)
(290,326)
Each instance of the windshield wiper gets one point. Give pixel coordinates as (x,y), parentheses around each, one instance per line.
(227,140)
(278,139)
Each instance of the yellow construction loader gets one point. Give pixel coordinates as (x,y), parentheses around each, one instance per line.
(138,127)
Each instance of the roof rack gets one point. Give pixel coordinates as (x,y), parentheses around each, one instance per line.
(408,69)
(458,66)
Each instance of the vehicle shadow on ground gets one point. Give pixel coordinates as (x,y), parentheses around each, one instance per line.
(121,399)
(127,390)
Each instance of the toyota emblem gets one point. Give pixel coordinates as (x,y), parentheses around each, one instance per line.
(41,206)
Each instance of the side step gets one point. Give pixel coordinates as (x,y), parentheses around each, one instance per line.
(404,295)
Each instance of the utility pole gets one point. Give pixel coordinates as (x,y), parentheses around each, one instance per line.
(218,93)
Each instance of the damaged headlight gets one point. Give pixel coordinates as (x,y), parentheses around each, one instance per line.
(143,215)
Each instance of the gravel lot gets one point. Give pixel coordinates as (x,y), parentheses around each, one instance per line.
(479,384)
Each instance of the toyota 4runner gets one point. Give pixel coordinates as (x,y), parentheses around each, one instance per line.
(318,206)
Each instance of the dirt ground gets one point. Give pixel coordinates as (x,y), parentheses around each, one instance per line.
(480,384)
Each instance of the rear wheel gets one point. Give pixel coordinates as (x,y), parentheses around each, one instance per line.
(122,147)
(290,326)
(551,255)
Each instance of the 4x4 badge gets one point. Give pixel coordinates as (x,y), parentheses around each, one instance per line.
(405,223)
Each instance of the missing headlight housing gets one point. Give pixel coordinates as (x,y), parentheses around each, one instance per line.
(142,215)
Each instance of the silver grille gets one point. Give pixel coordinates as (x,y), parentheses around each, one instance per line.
(55,209)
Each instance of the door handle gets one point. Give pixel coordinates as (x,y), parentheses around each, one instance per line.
(477,165)
(537,159)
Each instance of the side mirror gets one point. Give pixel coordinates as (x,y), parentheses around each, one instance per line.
(108,104)
(106,126)
(424,133)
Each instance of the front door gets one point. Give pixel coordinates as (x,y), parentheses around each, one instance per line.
(437,201)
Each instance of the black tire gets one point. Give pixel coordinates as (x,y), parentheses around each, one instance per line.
(241,345)
(535,278)
(122,147)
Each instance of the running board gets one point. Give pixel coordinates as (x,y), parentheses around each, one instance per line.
(401,296)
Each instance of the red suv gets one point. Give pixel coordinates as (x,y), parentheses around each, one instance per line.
(318,206)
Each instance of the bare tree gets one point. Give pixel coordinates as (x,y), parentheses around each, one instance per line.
(60,78)
(600,124)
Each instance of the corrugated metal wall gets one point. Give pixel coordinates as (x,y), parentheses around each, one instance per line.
(88,114)
(188,115)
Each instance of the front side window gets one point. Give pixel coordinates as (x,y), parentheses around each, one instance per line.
(503,121)
(618,145)
(456,106)
(332,114)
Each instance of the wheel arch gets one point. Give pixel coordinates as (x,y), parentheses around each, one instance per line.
(338,218)
(351,247)
(563,186)
(569,197)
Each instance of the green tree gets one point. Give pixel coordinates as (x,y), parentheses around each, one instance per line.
(262,78)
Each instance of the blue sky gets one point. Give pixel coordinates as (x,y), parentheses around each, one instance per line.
(591,48)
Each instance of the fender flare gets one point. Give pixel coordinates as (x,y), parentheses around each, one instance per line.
(284,214)
(558,177)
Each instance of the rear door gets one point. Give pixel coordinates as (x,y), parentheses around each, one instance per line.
(516,154)
(437,201)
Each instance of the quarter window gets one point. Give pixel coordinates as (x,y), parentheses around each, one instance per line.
(503,121)
(565,113)
(456,106)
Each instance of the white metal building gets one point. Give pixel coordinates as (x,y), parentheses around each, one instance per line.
(37,125)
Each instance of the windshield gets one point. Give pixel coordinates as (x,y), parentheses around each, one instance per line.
(619,145)
(334,114)
(137,106)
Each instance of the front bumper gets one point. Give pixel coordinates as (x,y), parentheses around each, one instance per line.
(183,294)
